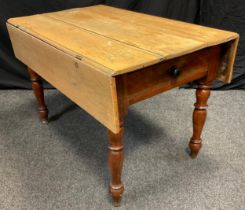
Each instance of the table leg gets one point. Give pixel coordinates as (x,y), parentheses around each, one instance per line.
(115,161)
(38,91)
(199,117)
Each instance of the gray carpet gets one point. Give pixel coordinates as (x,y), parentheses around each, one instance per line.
(63,165)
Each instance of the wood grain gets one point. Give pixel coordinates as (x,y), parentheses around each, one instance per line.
(97,50)
(123,41)
(90,89)
(162,36)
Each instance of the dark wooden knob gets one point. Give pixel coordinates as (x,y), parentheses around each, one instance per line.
(174,71)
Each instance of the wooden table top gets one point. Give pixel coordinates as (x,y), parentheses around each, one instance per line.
(118,41)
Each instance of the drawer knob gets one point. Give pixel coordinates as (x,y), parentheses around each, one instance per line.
(174,71)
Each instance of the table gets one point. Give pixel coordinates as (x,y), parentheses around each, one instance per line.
(105,59)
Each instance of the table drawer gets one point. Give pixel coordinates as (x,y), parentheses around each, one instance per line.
(155,79)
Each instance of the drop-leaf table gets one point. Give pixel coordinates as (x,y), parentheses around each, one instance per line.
(105,59)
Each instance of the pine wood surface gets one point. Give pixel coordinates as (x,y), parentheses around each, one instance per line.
(91,90)
(120,41)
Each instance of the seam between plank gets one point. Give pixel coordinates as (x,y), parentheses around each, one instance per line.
(125,43)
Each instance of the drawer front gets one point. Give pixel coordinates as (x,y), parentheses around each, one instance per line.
(152,80)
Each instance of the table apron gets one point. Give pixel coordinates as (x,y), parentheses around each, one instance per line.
(156,79)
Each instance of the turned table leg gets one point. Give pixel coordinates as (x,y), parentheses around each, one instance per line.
(115,161)
(38,91)
(199,117)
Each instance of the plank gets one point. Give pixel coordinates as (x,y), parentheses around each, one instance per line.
(118,41)
(107,54)
(166,37)
(93,91)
